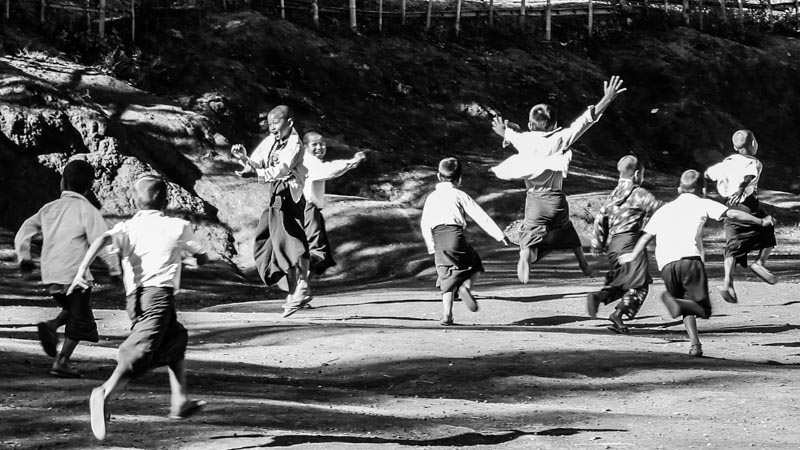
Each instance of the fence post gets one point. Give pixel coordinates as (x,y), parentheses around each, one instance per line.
(522,14)
(770,17)
(491,12)
(666,7)
(283,9)
(133,20)
(458,18)
(686,12)
(315,13)
(724,11)
(548,17)
(700,11)
(428,16)
(102,30)
(403,12)
(8,8)
(591,18)
(41,12)
(741,17)
(380,15)
(353,25)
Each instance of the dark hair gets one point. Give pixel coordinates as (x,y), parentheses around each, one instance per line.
(449,169)
(692,182)
(78,176)
(542,117)
(150,192)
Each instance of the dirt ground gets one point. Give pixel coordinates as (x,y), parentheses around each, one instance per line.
(370,367)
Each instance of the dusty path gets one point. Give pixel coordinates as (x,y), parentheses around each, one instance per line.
(370,367)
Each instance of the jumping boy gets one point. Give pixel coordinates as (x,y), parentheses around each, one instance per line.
(542,161)
(150,247)
(678,227)
(281,246)
(737,181)
(68,226)
(442,224)
(617,227)
(319,171)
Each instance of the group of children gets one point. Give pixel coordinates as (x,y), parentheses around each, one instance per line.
(291,241)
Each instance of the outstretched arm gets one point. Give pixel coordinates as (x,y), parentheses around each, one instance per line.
(637,250)
(611,89)
(80,277)
(742,216)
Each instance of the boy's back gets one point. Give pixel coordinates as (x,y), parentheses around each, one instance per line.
(151,246)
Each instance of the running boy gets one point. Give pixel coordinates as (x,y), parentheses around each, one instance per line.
(678,227)
(68,226)
(443,223)
(319,248)
(150,246)
(542,161)
(281,247)
(617,227)
(737,180)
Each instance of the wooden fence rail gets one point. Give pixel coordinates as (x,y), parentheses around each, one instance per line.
(127,10)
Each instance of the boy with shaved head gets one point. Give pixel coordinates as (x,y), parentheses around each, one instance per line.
(678,229)
(281,247)
(68,226)
(150,247)
(542,162)
(319,171)
(737,181)
(617,227)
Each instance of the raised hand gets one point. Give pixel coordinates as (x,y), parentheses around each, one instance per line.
(239,152)
(613,87)
(499,126)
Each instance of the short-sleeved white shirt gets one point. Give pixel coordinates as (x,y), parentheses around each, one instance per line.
(678,227)
(151,247)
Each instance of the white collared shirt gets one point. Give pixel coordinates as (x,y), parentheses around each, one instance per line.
(68,227)
(318,172)
(290,162)
(447,205)
(151,247)
(731,172)
(678,227)
(538,161)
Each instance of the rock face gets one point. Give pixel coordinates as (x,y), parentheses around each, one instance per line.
(45,123)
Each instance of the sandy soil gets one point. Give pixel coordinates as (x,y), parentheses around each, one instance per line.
(369,367)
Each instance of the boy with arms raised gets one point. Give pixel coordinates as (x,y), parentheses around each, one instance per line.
(68,226)
(150,246)
(442,224)
(678,227)
(737,181)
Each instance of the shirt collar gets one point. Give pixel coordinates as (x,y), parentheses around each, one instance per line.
(148,212)
(72,194)
(445,185)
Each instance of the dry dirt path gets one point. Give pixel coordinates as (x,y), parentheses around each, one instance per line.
(369,367)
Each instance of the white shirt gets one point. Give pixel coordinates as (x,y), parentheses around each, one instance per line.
(731,172)
(318,172)
(447,205)
(678,227)
(542,159)
(290,163)
(151,247)
(68,227)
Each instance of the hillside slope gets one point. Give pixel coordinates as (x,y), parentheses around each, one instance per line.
(406,100)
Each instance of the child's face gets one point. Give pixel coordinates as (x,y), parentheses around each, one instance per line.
(279,125)
(317,146)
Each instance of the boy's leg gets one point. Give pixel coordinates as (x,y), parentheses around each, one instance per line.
(524,264)
(727,291)
(447,308)
(61,366)
(181,406)
(466,293)
(690,322)
(300,292)
(759,266)
(586,268)
(99,399)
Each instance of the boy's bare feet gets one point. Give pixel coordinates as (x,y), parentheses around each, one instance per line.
(524,266)
(592,303)
(446,321)
(187,410)
(97,405)
(728,294)
(763,273)
(468,298)
(618,326)
(696,350)
(62,369)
